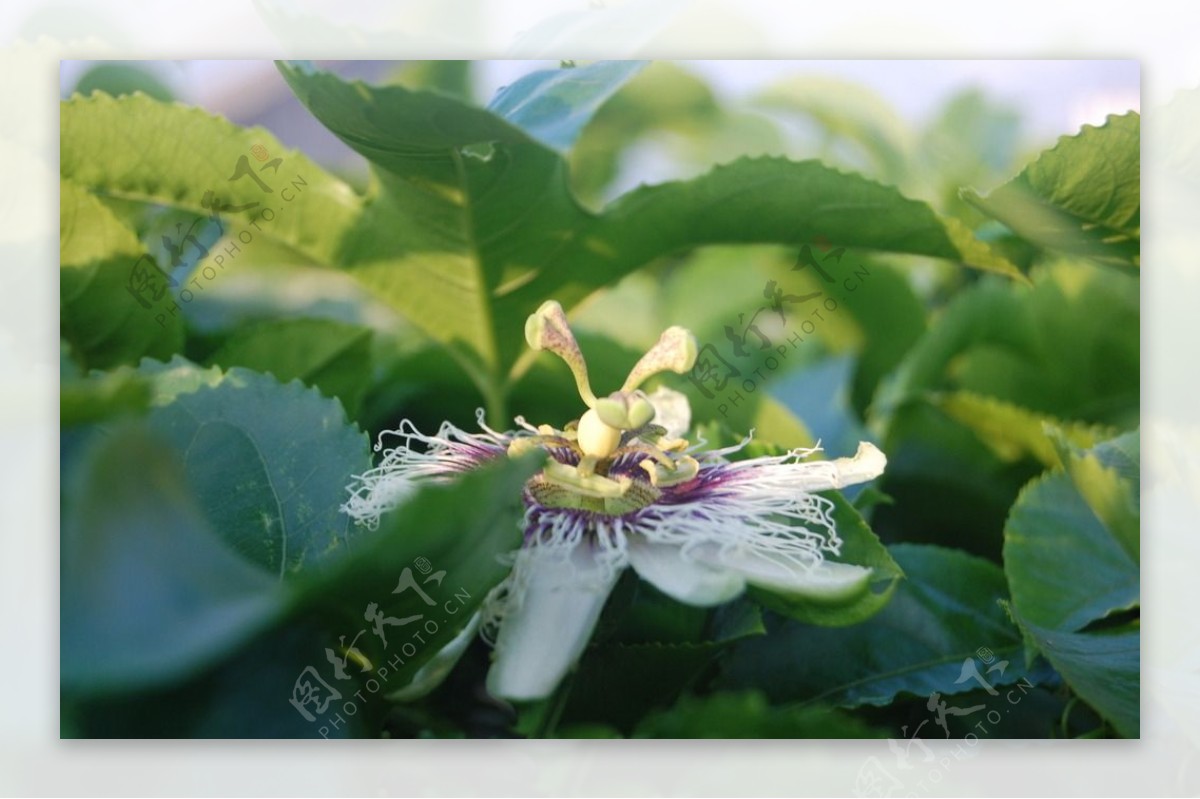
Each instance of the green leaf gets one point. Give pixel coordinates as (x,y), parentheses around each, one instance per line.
(117,79)
(1065,568)
(1075,580)
(850,112)
(102,395)
(481,229)
(462,529)
(553,105)
(860,547)
(269,462)
(1102,667)
(105,324)
(1081,197)
(334,357)
(149,592)
(748,715)
(1066,348)
(1108,478)
(940,616)
(1013,432)
(137,149)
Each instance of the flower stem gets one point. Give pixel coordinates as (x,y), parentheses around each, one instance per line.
(555,707)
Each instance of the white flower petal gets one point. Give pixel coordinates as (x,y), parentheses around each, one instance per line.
(680,577)
(559,593)
(436,669)
(867,464)
(671,410)
(824,581)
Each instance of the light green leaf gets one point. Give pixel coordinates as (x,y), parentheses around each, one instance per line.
(138,149)
(941,615)
(1108,478)
(149,593)
(104,322)
(1013,432)
(1082,197)
(334,357)
(269,462)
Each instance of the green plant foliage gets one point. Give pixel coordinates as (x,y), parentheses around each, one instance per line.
(221,391)
(1082,197)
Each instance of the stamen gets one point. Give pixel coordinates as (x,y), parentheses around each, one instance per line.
(674,352)
(547,329)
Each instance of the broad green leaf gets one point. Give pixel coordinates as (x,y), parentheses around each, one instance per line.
(860,547)
(1082,197)
(138,149)
(1102,667)
(553,105)
(102,319)
(269,462)
(334,357)
(940,616)
(1013,432)
(481,229)
(1064,567)
(149,592)
(1075,580)
(748,715)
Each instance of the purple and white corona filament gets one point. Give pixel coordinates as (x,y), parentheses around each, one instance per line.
(622,487)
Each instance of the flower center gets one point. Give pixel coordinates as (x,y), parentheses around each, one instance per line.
(620,461)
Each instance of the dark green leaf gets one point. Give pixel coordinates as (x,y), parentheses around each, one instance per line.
(149,592)
(334,357)
(747,715)
(940,616)
(269,462)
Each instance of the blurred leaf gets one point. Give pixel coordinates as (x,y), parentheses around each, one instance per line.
(972,140)
(553,105)
(848,111)
(1071,576)
(1082,197)
(135,148)
(480,228)
(102,320)
(117,79)
(1066,348)
(448,76)
(1013,432)
(334,357)
(269,462)
(748,715)
(941,614)
(860,547)
(86,400)
(141,606)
